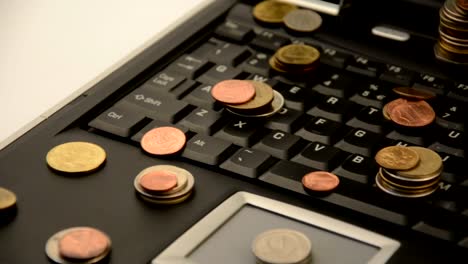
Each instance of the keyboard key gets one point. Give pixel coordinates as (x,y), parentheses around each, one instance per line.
(455,151)
(358,168)
(203,120)
(208,150)
(155,124)
(219,73)
(257,63)
(229,54)
(241,132)
(261,78)
(432,83)
(248,162)
(452,138)
(364,66)
(164,81)
(119,121)
(336,84)
(454,168)
(189,66)
(334,108)
(183,89)
(286,119)
(451,114)
(334,58)
(459,92)
(234,32)
(413,140)
(299,98)
(201,96)
(369,118)
(287,170)
(321,130)
(280,144)
(320,156)
(437,232)
(269,41)
(374,94)
(155,105)
(359,141)
(398,75)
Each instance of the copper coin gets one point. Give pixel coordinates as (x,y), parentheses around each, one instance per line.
(397,158)
(414,93)
(163,141)
(158,181)
(233,91)
(263,96)
(463,4)
(83,243)
(320,181)
(411,113)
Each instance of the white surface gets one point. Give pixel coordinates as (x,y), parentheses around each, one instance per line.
(53,50)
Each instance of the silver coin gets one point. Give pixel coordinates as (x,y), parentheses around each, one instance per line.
(302,20)
(396,192)
(52,249)
(275,106)
(285,246)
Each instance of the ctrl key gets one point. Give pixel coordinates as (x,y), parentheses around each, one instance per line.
(119,121)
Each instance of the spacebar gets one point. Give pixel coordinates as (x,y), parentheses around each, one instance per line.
(340,200)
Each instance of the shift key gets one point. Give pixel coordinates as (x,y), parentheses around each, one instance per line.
(119,121)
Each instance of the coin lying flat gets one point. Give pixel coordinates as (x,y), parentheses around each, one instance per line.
(233,91)
(411,113)
(384,186)
(272,11)
(298,54)
(397,158)
(163,141)
(281,246)
(430,163)
(7,199)
(84,245)
(320,181)
(275,106)
(414,93)
(263,96)
(158,181)
(303,20)
(76,157)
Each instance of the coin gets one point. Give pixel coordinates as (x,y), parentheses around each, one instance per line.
(303,20)
(397,158)
(411,113)
(408,184)
(233,91)
(414,93)
(463,4)
(158,181)
(298,54)
(283,246)
(182,176)
(83,243)
(396,192)
(163,141)
(54,253)
(275,106)
(385,112)
(7,199)
(272,11)
(263,96)
(429,164)
(320,181)
(76,157)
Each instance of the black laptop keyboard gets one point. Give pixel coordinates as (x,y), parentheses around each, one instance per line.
(331,122)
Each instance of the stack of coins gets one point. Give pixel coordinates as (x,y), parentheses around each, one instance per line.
(248,98)
(76,157)
(164,184)
(282,246)
(409,172)
(295,59)
(80,245)
(452,46)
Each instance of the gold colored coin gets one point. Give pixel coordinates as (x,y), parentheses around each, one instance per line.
(397,158)
(298,54)
(430,163)
(263,97)
(7,198)
(76,157)
(303,20)
(272,11)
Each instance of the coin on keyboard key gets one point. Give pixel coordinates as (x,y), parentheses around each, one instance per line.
(397,158)
(76,157)
(233,91)
(298,54)
(411,113)
(163,141)
(275,106)
(414,93)
(430,163)
(7,199)
(263,97)
(281,246)
(158,181)
(272,11)
(303,20)
(320,181)
(78,245)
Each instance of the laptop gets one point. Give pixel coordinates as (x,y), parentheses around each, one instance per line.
(367,50)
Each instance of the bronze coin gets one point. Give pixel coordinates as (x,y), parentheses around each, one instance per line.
(163,141)
(430,164)
(76,157)
(385,112)
(263,97)
(83,243)
(233,91)
(411,113)
(320,181)
(397,158)
(272,11)
(158,181)
(303,20)
(463,4)
(414,93)
(298,54)
(7,199)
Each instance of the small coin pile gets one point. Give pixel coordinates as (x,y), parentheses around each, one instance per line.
(452,45)
(164,184)
(409,172)
(248,98)
(295,19)
(320,181)
(80,245)
(295,59)
(76,157)
(163,141)
(282,246)
(409,113)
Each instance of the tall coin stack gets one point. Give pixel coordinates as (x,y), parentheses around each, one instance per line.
(452,46)
(295,59)
(409,172)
